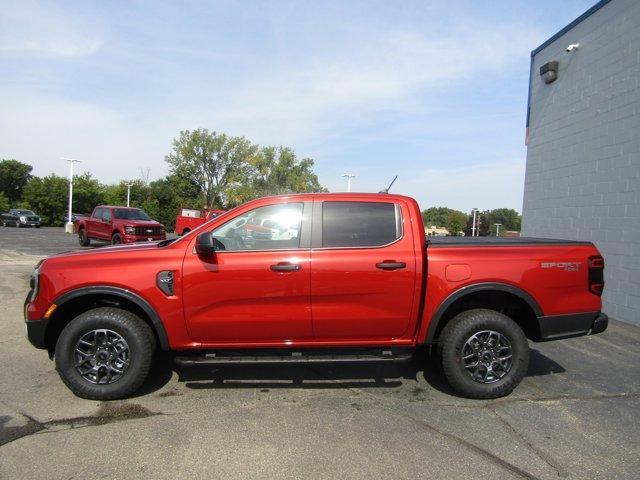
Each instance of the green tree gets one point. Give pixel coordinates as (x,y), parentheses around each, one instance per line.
(455,222)
(277,170)
(87,193)
(4,203)
(440,216)
(507,217)
(47,197)
(14,176)
(218,164)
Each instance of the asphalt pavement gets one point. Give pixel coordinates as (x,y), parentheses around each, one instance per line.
(575,415)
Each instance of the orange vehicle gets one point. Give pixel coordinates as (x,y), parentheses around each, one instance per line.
(313,278)
(190,218)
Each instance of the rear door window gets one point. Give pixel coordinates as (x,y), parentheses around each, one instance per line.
(360,224)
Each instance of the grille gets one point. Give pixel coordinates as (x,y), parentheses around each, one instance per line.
(32,219)
(146,231)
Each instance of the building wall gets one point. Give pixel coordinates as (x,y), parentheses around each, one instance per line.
(583,159)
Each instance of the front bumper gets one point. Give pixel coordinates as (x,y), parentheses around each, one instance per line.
(29,224)
(556,327)
(36,330)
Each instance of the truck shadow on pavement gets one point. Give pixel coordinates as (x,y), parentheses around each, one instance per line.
(317,376)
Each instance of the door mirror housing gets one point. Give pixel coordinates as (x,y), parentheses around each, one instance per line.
(205,244)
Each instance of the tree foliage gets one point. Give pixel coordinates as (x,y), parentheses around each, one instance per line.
(215,162)
(14,175)
(47,197)
(227,171)
(4,203)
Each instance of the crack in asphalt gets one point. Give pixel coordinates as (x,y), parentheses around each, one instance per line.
(107,413)
(546,458)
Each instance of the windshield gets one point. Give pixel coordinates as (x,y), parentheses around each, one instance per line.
(130,214)
(23,212)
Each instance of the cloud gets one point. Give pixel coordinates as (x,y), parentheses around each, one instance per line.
(381,72)
(47,31)
(485,186)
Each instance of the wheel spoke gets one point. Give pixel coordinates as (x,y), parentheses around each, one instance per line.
(487,356)
(101,356)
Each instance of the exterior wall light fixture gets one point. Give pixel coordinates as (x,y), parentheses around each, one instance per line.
(549,72)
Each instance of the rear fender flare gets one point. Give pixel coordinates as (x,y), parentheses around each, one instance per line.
(478,287)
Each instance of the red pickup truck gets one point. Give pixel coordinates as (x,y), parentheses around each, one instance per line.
(189,218)
(332,278)
(118,225)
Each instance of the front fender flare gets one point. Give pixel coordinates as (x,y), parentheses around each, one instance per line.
(158,326)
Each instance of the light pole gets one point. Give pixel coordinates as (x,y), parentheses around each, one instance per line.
(68,228)
(128,192)
(473,224)
(498,225)
(349,176)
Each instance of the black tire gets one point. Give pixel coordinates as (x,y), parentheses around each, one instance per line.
(116,239)
(83,240)
(131,328)
(452,342)
(185,231)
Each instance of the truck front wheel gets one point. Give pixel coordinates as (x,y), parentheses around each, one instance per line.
(484,354)
(82,238)
(104,353)
(116,239)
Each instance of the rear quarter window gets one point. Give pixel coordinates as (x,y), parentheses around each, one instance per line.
(360,224)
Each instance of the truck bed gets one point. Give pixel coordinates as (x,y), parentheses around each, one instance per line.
(497,241)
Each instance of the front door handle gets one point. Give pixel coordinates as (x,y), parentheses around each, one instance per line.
(285,267)
(390,265)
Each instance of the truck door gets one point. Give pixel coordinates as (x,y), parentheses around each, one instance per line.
(255,288)
(94,224)
(363,270)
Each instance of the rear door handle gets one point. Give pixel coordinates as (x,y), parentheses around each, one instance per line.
(285,267)
(390,265)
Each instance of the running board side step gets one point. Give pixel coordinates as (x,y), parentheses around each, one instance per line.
(292,357)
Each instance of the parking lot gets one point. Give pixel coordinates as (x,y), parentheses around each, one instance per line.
(575,415)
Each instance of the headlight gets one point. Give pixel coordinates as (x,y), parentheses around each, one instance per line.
(34,283)
(23,219)
(129,230)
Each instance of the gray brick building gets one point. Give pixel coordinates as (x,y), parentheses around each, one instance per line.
(583,157)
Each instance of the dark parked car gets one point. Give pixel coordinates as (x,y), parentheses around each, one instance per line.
(18,217)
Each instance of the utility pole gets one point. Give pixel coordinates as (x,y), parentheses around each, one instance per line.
(68,228)
(473,223)
(498,225)
(349,176)
(128,192)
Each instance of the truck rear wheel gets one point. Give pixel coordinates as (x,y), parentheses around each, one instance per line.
(82,238)
(484,354)
(104,354)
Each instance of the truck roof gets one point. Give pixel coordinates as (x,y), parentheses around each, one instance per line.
(355,195)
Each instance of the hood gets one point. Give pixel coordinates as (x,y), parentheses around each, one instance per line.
(122,248)
(140,223)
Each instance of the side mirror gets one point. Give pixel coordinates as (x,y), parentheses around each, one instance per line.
(204,244)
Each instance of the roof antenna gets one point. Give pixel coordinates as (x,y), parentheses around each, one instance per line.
(386,190)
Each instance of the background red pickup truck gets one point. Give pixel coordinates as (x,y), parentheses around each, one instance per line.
(189,219)
(118,225)
(313,278)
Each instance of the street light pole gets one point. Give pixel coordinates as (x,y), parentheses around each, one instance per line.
(498,225)
(128,192)
(68,228)
(473,224)
(349,176)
